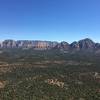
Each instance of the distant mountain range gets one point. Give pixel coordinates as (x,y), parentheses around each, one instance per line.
(85,44)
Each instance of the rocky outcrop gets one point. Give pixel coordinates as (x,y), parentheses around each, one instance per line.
(8,44)
(97,45)
(85,44)
(75,45)
(28,44)
(55,82)
(62,46)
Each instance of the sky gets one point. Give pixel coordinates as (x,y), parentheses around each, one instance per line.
(54,20)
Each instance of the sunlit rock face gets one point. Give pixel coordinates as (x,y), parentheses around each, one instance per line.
(85,44)
(27,44)
(24,44)
(42,44)
(8,44)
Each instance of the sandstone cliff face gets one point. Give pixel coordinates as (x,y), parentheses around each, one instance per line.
(8,44)
(27,44)
(85,44)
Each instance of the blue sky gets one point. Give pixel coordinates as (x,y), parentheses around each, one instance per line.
(57,20)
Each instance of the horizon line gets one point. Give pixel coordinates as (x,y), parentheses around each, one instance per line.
(47,40)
